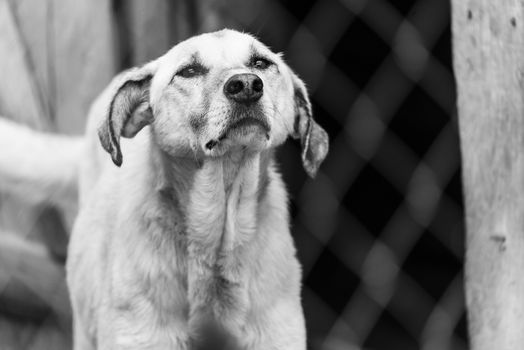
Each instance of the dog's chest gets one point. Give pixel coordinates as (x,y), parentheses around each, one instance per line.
(173,277)
(149,281)
(153,270)
(192,266)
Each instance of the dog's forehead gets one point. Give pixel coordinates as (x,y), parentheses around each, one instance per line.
(226,47)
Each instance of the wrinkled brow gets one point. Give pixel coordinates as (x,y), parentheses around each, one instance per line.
(265,53)
(255,53)
(194,59)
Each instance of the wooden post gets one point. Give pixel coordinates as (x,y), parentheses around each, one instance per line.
(55,58)
(488,43)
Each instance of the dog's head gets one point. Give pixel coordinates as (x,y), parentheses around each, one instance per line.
(213,94)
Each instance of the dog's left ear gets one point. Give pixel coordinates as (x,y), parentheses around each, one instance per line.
(128,110)
(313,138)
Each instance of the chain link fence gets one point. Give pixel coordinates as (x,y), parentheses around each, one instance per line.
(380,230)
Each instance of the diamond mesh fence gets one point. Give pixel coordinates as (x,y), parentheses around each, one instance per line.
(380,230)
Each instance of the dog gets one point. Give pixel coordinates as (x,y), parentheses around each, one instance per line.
(182,236)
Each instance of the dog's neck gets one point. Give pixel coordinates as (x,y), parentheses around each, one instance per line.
(221,200)
(218,197)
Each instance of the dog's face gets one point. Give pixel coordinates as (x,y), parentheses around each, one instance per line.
(213,94)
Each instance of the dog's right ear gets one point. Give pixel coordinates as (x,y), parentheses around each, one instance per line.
(313,138)
(128,110)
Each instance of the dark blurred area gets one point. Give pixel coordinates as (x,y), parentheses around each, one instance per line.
(380,230)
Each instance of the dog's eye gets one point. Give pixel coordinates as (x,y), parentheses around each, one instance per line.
(260,63)
(191,71)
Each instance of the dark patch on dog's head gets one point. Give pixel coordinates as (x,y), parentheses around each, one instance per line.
(180,88)
(197,122)
(194,62)
(255,55)
(211,144)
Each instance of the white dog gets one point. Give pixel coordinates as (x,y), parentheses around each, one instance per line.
(186,241)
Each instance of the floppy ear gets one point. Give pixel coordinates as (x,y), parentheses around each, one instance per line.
(128,109)
(313,139)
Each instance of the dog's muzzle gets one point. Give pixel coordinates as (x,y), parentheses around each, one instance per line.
(244,88)
(246,115)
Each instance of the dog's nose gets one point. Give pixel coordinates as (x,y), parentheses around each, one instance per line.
(244,88)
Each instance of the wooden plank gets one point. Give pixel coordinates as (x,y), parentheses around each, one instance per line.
(60,56)
(488,43)
(57,57)
(70,48)
(148,25)
(31,18)
(84,58)
(19,92)
(19,98)
(23,98)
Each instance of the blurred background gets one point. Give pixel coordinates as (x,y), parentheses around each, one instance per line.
(379,231)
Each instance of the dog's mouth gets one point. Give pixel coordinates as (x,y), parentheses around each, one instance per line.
(243,127)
